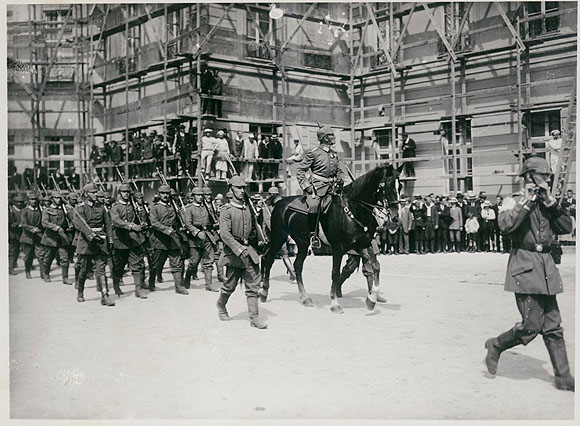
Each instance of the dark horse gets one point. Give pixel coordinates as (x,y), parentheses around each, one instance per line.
(348,224)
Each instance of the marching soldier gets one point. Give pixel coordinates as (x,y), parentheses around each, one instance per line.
(165,240)
(324,167)
(198,223)
(93,224)
(532,222)
(240,255)
(127,242)
(143,212)
(15,232)
(31,224)
(56,238)
(218,247)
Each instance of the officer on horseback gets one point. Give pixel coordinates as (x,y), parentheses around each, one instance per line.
(325,174)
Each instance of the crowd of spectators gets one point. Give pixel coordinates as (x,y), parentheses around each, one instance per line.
(441,224)
(25,181)
(257,158)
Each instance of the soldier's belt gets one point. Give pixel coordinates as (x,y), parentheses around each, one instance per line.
(97,229)
(539,248)
(242,241)
(321,178)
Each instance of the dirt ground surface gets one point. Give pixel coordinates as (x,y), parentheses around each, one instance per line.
(419,356)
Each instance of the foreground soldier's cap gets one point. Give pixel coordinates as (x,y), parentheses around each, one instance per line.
(323,131)
(220,196)
(535,164)
(237,181)
(101,193)
(273,190)
(164,189)
(137,195)
(33,196)
(229,194)
(125,187)
(18,198)
(90,187)
(206,190)
(197,191)
(73,196)
(55,194)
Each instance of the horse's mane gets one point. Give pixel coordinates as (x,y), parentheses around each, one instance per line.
(360,187)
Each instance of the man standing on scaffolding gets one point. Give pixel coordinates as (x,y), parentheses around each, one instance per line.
(324,167)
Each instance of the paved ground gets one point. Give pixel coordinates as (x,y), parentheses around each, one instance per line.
(420,356)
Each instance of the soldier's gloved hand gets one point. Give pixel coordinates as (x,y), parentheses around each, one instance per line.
(244,253)
(201,235)
(62,233)
(262,243)
(34,230)
(97,239)
(137,228)
(308,190)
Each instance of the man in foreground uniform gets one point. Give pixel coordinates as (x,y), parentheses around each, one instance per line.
(165,240)
(93,224)
(31,224)
(324,167)
(240,255)
(532,222)
(201,246)
(127,242)
(56,239)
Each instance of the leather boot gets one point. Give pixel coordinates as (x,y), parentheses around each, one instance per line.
(208,286)
(160,276)
(65,279)
(11,266)
(77,278)
(152,274)
(187,277)
(178,279)
(194,276)
(116,286)
(312,227)
(221,305)
(559,357)
(220,273)
(105,298)
(255,320)
(80,290)
(28,275)
(495,346)
(370,282)
(139,292)
(46,273)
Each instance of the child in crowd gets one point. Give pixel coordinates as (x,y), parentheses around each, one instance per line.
(471,228)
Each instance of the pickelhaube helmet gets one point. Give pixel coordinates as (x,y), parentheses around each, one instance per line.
(125,187)
(90,187)
(237,181)
(206,190)
(535,164)
(323,131)
(33,196)
(164,189)
(197,191)
(273,190)
(55,194)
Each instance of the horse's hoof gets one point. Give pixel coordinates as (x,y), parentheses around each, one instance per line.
(337,309)
(339,294)
(308,303)
(370,304)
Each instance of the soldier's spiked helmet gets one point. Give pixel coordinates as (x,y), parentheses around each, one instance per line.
(18,198)
(206,190)
(125,187)
(89,187)
(55,194)
(535,164)
(237,181)
(273,190)
(197,191)
(33,196)
(324,131)
(164,188)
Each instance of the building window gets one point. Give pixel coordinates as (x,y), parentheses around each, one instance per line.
(53,149)
(263,21)
(10,149)
(68,149)
(53,166)
(463,150)
(452,16)
(540,124)
(536,23)
(69,166)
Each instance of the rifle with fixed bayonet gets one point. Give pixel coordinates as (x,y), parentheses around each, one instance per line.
(64,210)
(211,213)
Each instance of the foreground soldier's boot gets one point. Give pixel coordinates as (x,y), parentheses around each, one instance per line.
(11,267)
(563,378)
(495,346)
(46,274)
(80,290)
(220,273)
(65,278)
(194,276)
(208,279)
(139,292)
(221,305)
(152,274)
(312,227)
(370,281)
(77,270)
(105,298)
(178,279)
(159,276)
(28,275)
(116,286)
(187,278)
(255,320)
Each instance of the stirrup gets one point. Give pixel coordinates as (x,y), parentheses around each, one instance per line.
(315,242)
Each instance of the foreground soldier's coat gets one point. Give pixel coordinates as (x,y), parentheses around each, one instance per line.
(56,240)
(31,224)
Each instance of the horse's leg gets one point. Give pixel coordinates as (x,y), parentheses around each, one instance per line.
(352,263)
(336,261)
(298,264)
(267,262)
(372,274)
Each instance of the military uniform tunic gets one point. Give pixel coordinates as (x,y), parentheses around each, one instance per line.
(126,242)
(197,220)
(238,234)
(31,224)
(164,237)
(55,238)
(14,233)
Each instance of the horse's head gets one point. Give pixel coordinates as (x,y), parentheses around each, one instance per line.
(389,190)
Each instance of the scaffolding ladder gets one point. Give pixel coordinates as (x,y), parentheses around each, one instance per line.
(568,144)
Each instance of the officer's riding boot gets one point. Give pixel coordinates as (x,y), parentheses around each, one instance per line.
(77,270)
(178,279)
(65,279)
(152,274)
(11,266)
(160,276)
(208,286)
(105,298)
(28,275)
(194,276)
(46,269)
(221,305)
(312,227)
(116,285)
(80,290)
(559,358)
(495,346)
(255,320)
(138,278)
(370,281)
(187,277)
